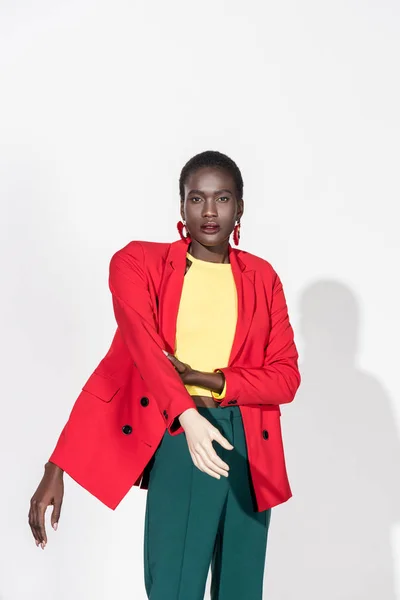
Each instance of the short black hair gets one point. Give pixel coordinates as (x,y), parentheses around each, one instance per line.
(211,158)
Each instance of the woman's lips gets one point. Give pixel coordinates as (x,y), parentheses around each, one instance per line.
(210,228)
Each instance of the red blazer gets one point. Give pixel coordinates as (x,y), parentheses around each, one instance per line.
(135,393)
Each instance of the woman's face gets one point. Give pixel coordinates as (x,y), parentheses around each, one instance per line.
(210,198)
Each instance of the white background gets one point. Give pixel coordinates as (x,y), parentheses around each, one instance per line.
(101,104)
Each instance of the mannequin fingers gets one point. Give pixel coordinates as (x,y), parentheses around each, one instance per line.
(216,463)
(203,467)
(218,437)
(212,461)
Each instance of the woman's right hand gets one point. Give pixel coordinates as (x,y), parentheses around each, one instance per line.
(50,491)
(199,435)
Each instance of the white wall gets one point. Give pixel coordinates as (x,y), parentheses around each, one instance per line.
(101,104)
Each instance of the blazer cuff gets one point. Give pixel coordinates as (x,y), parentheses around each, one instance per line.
(171,418)
(220,396)
(232,385)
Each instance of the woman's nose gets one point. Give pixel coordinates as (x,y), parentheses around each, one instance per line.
(210,210)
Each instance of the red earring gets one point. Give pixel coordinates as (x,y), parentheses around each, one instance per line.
(236,234)
(180,227)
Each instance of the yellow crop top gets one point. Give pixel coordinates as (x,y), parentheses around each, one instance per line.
(206,319)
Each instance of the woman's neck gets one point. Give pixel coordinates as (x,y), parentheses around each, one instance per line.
(215,254)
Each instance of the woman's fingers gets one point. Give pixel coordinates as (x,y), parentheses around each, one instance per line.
(41,509)
(36,521)
(55,515)
(49,491)
(32,524)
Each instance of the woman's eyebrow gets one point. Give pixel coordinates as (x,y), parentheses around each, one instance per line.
(216,192)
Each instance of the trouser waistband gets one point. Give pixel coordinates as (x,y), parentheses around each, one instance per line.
(221,414)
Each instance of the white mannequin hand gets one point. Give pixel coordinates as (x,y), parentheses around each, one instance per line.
(199,435)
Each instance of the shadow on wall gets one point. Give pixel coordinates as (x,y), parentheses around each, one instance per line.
(333,539)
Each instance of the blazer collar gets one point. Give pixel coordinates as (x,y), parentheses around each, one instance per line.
(171,290)
(177,256)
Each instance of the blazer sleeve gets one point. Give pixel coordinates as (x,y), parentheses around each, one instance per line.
(278,379)
(137,322)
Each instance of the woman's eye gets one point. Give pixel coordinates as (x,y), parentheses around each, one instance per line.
(195,198)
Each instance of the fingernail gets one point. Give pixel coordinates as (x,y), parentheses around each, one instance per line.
(55,526)
(165,352)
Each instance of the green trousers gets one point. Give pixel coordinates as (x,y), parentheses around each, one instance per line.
(194,521)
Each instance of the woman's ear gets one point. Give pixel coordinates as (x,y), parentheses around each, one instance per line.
(240,209)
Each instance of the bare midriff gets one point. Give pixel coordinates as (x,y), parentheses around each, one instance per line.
(207,401)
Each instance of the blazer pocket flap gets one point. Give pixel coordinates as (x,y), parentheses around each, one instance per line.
(104,388)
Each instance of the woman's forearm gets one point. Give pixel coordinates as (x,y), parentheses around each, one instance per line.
(213,381)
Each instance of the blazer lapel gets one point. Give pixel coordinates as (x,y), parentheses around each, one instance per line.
(244,280)
(171,291)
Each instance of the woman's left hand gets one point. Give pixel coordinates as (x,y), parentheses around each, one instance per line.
(184,370)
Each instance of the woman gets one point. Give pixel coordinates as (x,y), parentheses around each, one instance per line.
(204,348)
